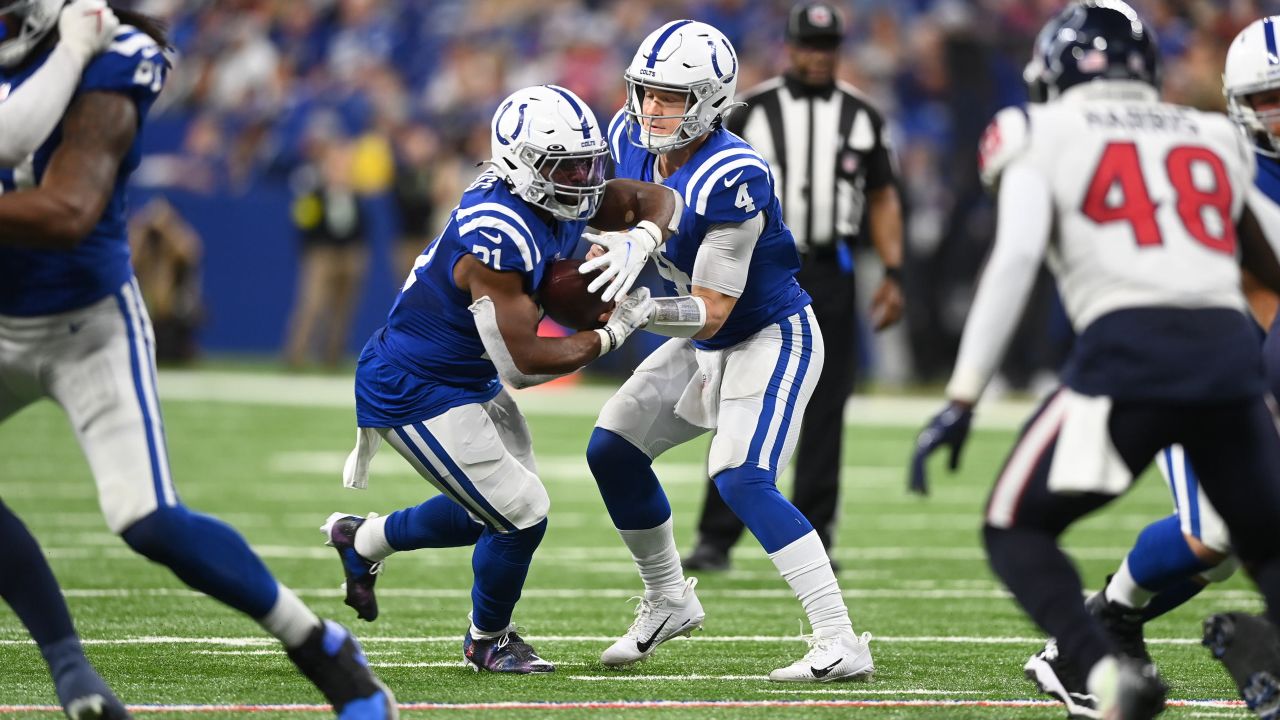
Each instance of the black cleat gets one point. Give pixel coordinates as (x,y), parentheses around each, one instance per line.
(83,693)
(1249,647)
(340,534)
(1123,625)
(1057,677)
(507,653)
(1129,690)
(333,661)
(706,558)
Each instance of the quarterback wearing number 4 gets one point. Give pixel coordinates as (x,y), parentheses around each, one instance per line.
(744,356)
(430,382)
(1135,204)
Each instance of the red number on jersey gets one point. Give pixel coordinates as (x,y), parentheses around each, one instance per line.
(1192,200)
(1120,167)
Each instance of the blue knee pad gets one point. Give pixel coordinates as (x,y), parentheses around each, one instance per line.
(1161,558)
(208,555)
(752,494)
(631,491)
(501,564)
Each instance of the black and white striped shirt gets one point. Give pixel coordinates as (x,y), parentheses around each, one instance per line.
(828,149)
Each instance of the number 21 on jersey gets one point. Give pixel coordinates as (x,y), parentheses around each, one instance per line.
(1120,170)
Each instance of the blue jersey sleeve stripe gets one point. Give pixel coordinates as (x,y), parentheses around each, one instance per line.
(710,165)
(712,183)
(131,44)
(514,218)
(506,229)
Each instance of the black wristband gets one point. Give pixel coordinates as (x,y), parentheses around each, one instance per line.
(894,274)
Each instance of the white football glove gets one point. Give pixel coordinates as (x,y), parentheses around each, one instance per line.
(87,27)
(631,314)
(624,258)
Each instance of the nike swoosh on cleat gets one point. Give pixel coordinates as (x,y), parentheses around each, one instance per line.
(644,646)
(729,181)
(823,672)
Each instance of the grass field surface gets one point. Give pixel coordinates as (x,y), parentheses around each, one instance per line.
(265,453)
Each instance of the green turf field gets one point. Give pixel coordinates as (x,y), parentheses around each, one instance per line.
(914,575)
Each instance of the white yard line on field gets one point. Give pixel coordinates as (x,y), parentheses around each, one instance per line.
(264,641)
(579,401)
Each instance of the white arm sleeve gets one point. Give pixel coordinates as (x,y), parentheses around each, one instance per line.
(496,348)
(725,255)
(35,108)
(1022,236)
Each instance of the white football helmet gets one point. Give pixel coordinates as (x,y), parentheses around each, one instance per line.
(1253,66)
(686,57)
(23,24)
(548,147)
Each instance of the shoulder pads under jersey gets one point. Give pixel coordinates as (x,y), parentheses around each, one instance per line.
(1007,137)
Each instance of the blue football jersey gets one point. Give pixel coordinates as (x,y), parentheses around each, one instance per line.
(1268,178)
(44,282)
(724,182)
(429,357)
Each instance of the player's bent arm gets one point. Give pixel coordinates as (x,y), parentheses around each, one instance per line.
(719,277)
(97,133)
(628,202)
(1259,233)
(516,317)
(1022,235)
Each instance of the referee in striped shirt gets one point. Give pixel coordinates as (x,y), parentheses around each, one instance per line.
(835,177)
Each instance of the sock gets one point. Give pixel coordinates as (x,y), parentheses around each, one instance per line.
(478,634)
(807,569)
(289,619)
(371,540)
(1171,598)
(654,551)
(501,564)
(438,522)
(208,555)
(1047,587)
(28,586)
(1123,589)
(1159,560)
(630,490)
(752,494)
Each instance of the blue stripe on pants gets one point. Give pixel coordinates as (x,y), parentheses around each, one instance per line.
(771,395)
(135,361)
(806,349)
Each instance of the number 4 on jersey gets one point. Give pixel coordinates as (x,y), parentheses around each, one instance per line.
(743,200)
(1120,167)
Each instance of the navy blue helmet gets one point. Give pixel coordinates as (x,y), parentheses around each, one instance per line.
(1092,40)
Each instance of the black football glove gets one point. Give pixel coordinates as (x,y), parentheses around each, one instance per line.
(949,427)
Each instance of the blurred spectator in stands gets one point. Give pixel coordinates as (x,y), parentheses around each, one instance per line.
(166,260)
(417,178)
(333,262)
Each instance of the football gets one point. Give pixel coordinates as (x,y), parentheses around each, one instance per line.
(564,296)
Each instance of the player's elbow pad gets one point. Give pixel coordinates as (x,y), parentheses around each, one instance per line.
(486,318)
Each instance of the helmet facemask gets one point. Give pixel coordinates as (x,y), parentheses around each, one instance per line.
(23,24)
(567,184)
(1257,122)
(690,127)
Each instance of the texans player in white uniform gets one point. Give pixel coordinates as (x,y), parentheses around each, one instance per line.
(73,329)
(744,356)
(1175,557)
(431,382)
(1142,201)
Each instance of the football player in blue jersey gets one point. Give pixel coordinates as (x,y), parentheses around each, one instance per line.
(431,382)
(73,328)
(1177,556)
(744,354)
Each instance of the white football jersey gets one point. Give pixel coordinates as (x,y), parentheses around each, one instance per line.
(1144,199)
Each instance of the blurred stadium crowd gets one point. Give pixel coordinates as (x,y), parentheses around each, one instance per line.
(267,92)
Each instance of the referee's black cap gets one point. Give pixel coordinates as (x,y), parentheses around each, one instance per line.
(815,24)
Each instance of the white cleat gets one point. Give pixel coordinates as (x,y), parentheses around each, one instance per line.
(656,622)
(838,656)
